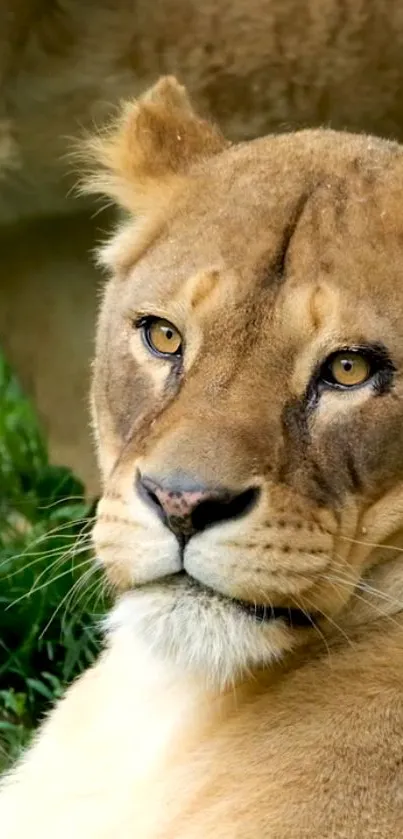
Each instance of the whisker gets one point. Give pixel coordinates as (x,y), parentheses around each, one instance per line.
(333,622)
(93,590)
(35,589)
(15,557)
(373,592)
(44,557)
(65,500)
(56,532)
(364,584)
(368,544)
(65,600)
(61,559)
(80,587)
(315,627)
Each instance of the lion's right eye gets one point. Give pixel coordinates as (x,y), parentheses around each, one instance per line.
(353,367)
(348,369)
(161,337)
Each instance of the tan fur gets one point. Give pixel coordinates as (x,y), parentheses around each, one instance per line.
(255,65)
(198,720)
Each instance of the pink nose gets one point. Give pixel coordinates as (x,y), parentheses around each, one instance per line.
(180,504)
(176,503)
(187,511)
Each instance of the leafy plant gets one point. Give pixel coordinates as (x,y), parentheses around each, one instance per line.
(51,594)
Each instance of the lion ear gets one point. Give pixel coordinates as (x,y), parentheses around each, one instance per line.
(149,147)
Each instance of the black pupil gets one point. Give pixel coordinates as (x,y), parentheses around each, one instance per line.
(168,333)
(347,365)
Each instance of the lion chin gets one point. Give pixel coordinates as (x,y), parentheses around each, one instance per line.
(198,630)
(247,407)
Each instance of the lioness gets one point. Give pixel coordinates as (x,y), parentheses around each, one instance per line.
(255,65)
(247,402)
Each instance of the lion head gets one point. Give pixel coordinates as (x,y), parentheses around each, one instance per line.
(247,392)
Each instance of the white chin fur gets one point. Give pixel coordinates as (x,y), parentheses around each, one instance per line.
(199,632)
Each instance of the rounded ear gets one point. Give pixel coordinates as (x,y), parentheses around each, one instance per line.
(149,147)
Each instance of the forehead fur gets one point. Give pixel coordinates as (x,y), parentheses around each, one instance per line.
(323,199)
(166,165)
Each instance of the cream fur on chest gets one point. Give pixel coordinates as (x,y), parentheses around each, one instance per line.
(110,744)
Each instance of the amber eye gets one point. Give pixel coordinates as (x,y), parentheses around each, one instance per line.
(162,337)
(348,369)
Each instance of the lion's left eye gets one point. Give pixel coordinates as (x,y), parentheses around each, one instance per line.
(161,337)
(347,369)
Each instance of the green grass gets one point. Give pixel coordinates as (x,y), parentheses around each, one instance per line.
(51,596)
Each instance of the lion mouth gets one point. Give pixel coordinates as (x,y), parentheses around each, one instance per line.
(294,618)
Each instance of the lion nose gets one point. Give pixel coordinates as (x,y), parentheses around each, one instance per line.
(189,511)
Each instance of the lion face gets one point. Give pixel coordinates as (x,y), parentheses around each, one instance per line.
(247,391)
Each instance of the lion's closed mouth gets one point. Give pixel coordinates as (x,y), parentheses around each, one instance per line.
(295,618)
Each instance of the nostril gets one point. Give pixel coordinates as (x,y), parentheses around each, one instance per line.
(155,500)
(151,498)
(225,508)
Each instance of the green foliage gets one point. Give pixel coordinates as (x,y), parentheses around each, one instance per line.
(51,594)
